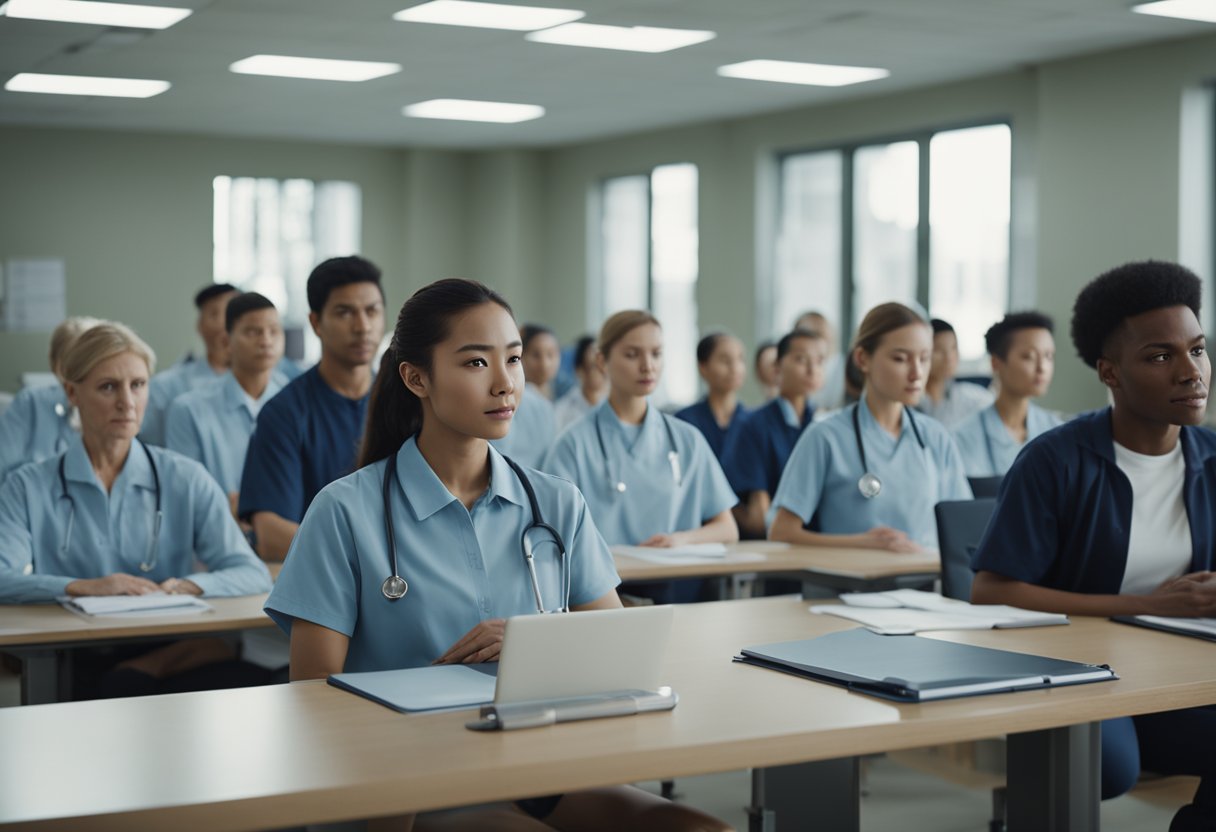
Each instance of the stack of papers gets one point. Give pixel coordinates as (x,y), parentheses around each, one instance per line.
(692,553)
(906,611)
(157,603)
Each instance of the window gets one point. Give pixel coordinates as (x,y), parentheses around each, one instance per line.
(647,257)
(269,234)
(868,200)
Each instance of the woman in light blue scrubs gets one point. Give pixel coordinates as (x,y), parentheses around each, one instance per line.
(111,516)
(40,422)
(450,381)
(723,368)
(869,476)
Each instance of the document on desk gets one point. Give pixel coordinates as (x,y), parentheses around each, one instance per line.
(1204,628)
(917,669)
(906,611)
(135,606)
(434,688)
(691,553)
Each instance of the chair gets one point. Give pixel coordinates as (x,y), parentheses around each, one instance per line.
(985,486)
(960,525)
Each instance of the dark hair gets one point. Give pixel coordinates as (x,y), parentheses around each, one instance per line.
(337,272)
(1000,334)
(707,345)
(760,348)
(243,304)
(1123,292)
(529,331)
(581,348)
(787,340)
(212,291)
(940,326)
(394,414)
(852,373)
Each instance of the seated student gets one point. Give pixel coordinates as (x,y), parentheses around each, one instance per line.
(946,400)
(112,516)
(212,424)
(308,435)
(534,424)
(753,462)
(447,384)
(765,364)
(649,479)
(832,395)
(718,416)
(191,372)
(1023,353)
(869,475)
(592,385)
(40,422)
(1111,514)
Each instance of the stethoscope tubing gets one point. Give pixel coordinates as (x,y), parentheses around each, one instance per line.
(861,449)
(673,454)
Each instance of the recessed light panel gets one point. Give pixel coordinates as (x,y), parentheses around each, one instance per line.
(317,69)
(100,14)
(458,109)
(795,72)
(487,15)
(627,38)
(85,85)
(1202,10)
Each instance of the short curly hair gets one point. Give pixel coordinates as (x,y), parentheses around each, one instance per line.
(1000,335)
(1123,292)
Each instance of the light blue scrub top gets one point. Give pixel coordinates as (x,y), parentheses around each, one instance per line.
(112,532)
(462,566)
(165,387)
(212,426)
(35,427)
(638,456)
(533,429)
(988,449)
(820,479)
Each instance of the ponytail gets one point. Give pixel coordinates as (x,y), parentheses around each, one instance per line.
(394,414)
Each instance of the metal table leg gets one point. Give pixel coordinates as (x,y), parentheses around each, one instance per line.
(41,679)
(1054,779)
(804,796)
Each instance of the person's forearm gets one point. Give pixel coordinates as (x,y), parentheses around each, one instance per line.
(750,515)
(786,530)
(990,588)
(720,529)
(274,535)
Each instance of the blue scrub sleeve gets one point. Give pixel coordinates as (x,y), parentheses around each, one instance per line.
(801,486)
(972,449)
(953,483)
(744,456)
(320,577)
(160,396)
(273,478)
(232,567)
(561,459)
(17,550)
(716,494)
(181,433)
(15,432)
(1021,541)
(592,570)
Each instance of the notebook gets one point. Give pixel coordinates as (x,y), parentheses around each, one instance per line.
(1204,628)
(907,611)
(915,669)
(128,606)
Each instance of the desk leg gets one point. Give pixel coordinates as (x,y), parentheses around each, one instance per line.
(1054,779)
(806,796)
(41,681)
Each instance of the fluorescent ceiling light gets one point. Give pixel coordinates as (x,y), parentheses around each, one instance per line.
(487,15)
(458,109)
(319,69)
(795,72)
(628,38)
(85,85)
(1204,10)
(101,14)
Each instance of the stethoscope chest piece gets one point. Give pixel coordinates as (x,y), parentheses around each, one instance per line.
(620,487)
(869,485)
(394,587)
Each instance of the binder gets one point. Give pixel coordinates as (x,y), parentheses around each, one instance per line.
(433,688)
(1204,628)
(916,669)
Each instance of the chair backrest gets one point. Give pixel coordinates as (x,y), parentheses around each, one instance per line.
(985,486)
(960,525)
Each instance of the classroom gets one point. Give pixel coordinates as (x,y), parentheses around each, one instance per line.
(755,328)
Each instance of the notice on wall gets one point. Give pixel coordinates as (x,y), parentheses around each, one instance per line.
(34,294)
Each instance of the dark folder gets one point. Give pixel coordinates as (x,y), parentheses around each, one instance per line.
(1203,628)
(917,669)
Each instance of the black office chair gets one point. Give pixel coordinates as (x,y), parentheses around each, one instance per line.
(985,486)
(960,525)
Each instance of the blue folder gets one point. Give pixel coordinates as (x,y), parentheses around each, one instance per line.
(438,687)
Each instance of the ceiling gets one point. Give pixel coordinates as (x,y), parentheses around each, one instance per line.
(588,93)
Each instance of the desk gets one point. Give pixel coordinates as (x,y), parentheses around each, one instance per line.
(39,635)
(838,568)
(293,754)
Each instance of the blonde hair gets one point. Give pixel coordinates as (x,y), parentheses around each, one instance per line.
(100,342)
(621,324)
(884,318)
(68,331)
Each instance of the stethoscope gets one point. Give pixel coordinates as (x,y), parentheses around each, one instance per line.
(395,586)
(673,455)
(869,484)
(144,566)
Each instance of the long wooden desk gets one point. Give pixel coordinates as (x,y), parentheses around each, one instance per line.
(846,570)
(304,753)
(39,635)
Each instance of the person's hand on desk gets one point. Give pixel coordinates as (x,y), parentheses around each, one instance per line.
(117,584)
(483,643)
(1190,596)
(180,586)
(883,537)
(666,541)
